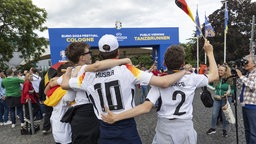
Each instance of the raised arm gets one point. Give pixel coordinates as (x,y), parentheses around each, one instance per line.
(110,117)
(150,69)
(213,75)
(167,80)
(106,64)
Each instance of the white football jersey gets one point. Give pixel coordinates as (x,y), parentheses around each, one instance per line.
(114,88)
(79,95)
(61,131)
(177,99)
(35,82)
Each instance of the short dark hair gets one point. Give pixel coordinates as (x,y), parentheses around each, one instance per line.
(174,57)
(63,66)
(108,55)
(34,70)
(75,50)
(9,72)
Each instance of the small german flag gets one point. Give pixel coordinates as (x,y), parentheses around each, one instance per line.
(183,5)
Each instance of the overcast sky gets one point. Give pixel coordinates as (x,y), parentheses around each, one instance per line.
(132,13)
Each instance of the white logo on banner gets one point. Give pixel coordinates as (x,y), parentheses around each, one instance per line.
(120,36)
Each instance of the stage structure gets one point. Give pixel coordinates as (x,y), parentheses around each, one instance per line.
(157,38)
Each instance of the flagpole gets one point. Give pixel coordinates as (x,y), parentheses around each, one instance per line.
(197,54)
(225,37)
(200,30)
(205,59)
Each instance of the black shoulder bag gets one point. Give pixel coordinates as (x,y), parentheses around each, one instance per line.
(206,97)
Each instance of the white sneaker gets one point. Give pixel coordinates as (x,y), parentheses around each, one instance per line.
(13,125)
(1,124)
(22,124)
(8,123)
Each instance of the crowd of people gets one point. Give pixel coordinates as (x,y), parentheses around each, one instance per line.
(95,103)
(16,90)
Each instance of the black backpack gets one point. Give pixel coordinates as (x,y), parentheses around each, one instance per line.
(206,98)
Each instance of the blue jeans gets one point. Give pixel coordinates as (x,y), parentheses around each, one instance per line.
(19,113)
(143,92)
(249,117)
(217,105)
(4,110)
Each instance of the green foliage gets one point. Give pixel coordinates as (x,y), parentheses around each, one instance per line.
(189,59)
(19,19)
(239,31)
(142,60)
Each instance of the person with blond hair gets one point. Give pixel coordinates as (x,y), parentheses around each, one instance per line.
(223,92)
(29,94)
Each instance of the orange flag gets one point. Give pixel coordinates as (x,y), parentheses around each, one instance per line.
(184,6)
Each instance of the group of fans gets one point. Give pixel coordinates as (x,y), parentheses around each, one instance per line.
(95,103)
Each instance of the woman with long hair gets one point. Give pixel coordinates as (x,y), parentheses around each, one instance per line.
(28,93)
(223,91)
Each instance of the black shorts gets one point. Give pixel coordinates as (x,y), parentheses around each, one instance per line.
(85,125)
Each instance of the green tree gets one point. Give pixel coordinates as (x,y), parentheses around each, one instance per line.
(19,21)
(189,59)
(239,31)
(142,60)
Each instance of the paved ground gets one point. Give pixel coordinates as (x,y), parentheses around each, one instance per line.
(145,124)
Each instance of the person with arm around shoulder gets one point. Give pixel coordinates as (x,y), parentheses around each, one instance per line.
(115,87)
(175,113)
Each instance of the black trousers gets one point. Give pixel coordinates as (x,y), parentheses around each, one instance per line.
(84,125)
(35,109)
(47,116)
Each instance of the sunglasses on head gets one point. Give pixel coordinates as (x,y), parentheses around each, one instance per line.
(85,53)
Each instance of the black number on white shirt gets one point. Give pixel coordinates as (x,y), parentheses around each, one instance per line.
(174,96)
(110,96)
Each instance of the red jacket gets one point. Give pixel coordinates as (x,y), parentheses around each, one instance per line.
(28,92)
(156,72)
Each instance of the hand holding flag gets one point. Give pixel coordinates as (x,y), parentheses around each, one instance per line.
(183,5)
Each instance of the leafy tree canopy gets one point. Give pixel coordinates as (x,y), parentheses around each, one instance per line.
(239,31)
(19,19)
